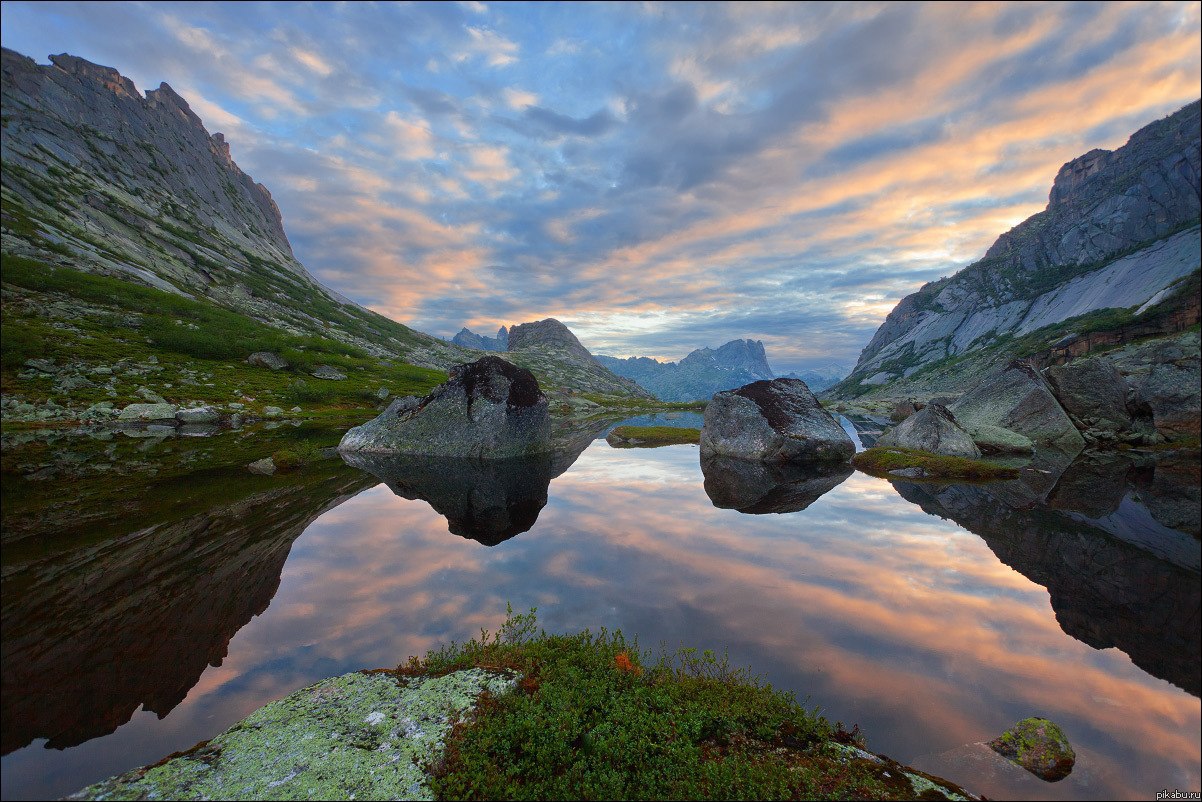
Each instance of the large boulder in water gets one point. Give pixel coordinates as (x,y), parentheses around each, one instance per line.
(488,409)
(776,420)
(1019,399)
(933,428)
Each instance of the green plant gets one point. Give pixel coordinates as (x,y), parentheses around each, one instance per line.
(296,456)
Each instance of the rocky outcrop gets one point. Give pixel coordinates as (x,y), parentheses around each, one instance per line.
(551,349)
(487,409)
(1119,231)
(758,488)
(466,338)
(1091,391)
(700,374)
(773,421)
(933,428)
(1017,398)
(365,735)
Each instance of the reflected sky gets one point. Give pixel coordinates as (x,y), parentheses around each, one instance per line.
(863,604)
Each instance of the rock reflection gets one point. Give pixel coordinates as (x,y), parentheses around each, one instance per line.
(489,501)
(757,488)
(1110,538)
(133,618)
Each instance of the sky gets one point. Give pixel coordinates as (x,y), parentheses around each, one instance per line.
(658,176)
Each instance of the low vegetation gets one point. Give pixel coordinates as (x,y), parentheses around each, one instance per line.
(652,436)
(596,718)
(924,465)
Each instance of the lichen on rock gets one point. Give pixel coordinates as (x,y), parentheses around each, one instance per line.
(1038,746)
(357,736)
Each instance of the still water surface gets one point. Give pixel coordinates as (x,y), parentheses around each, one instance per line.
(932,616)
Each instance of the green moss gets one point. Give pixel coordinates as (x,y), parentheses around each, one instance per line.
(652,436)
(881,461)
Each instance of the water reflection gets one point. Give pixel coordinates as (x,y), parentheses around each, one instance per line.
(756,488)
(861,602)
(1095,536)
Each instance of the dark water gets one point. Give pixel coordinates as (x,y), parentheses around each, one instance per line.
(143,612)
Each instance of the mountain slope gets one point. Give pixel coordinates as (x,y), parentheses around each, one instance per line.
(555,350)
(699,375)
(1119,233)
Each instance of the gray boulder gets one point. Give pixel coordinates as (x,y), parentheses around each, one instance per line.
(327,372)
(148,413)
(1019,399)
(263,467)
(197,415)
(266,359)
(1171,391)
(776,420)
(488,409)
(1092,391)
(932,428)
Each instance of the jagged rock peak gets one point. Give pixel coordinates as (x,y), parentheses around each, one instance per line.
(549,332)
(1074,173)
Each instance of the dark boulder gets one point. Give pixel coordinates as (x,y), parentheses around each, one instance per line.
(488,409)
(1092,392)
(776,420)
(933,428)
(1018,398)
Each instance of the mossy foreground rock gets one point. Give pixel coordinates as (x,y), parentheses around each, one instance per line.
(1038,746)
(358,736)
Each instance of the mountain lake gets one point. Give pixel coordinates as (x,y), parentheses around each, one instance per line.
(155,592)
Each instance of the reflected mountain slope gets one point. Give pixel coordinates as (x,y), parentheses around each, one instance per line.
(1117,576)
(93,633)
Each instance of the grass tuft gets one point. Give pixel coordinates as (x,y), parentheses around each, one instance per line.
(880,461)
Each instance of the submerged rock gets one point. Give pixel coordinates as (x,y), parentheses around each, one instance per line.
(488,409)
(1038,746)
(933,428)
(358,736)
(1018,398)
(776,420)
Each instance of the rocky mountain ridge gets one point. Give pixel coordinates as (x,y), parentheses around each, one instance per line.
(699,375)
(1120,232)
(101,179)
(466,338)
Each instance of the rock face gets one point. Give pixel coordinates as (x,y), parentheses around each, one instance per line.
(773,421)
(488,409)
(1120,229)
(700,374)
(1018,399)
(361,735)
(933,428)
(1038,746)
(1092,391)
(469,339)
(549,347)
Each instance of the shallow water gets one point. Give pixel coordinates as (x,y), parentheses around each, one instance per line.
(931,616)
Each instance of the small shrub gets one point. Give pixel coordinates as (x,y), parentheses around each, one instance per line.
(297,456)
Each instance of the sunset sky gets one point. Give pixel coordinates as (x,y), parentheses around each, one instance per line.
(660,177)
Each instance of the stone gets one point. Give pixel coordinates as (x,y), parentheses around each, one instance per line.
(904,409)
(358,736)
(73,382)
(1018,398)
(776,420)
(197,415)
(934,429)
(295,409)
(1171,391)
(383,393)
(150,395)
(1091,388)
(272,412)
(143,413)
(1038,746)
(263,467)
(488,409)
(266,359)
(237,405)
(327,372)
(41,365)
(996,440)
